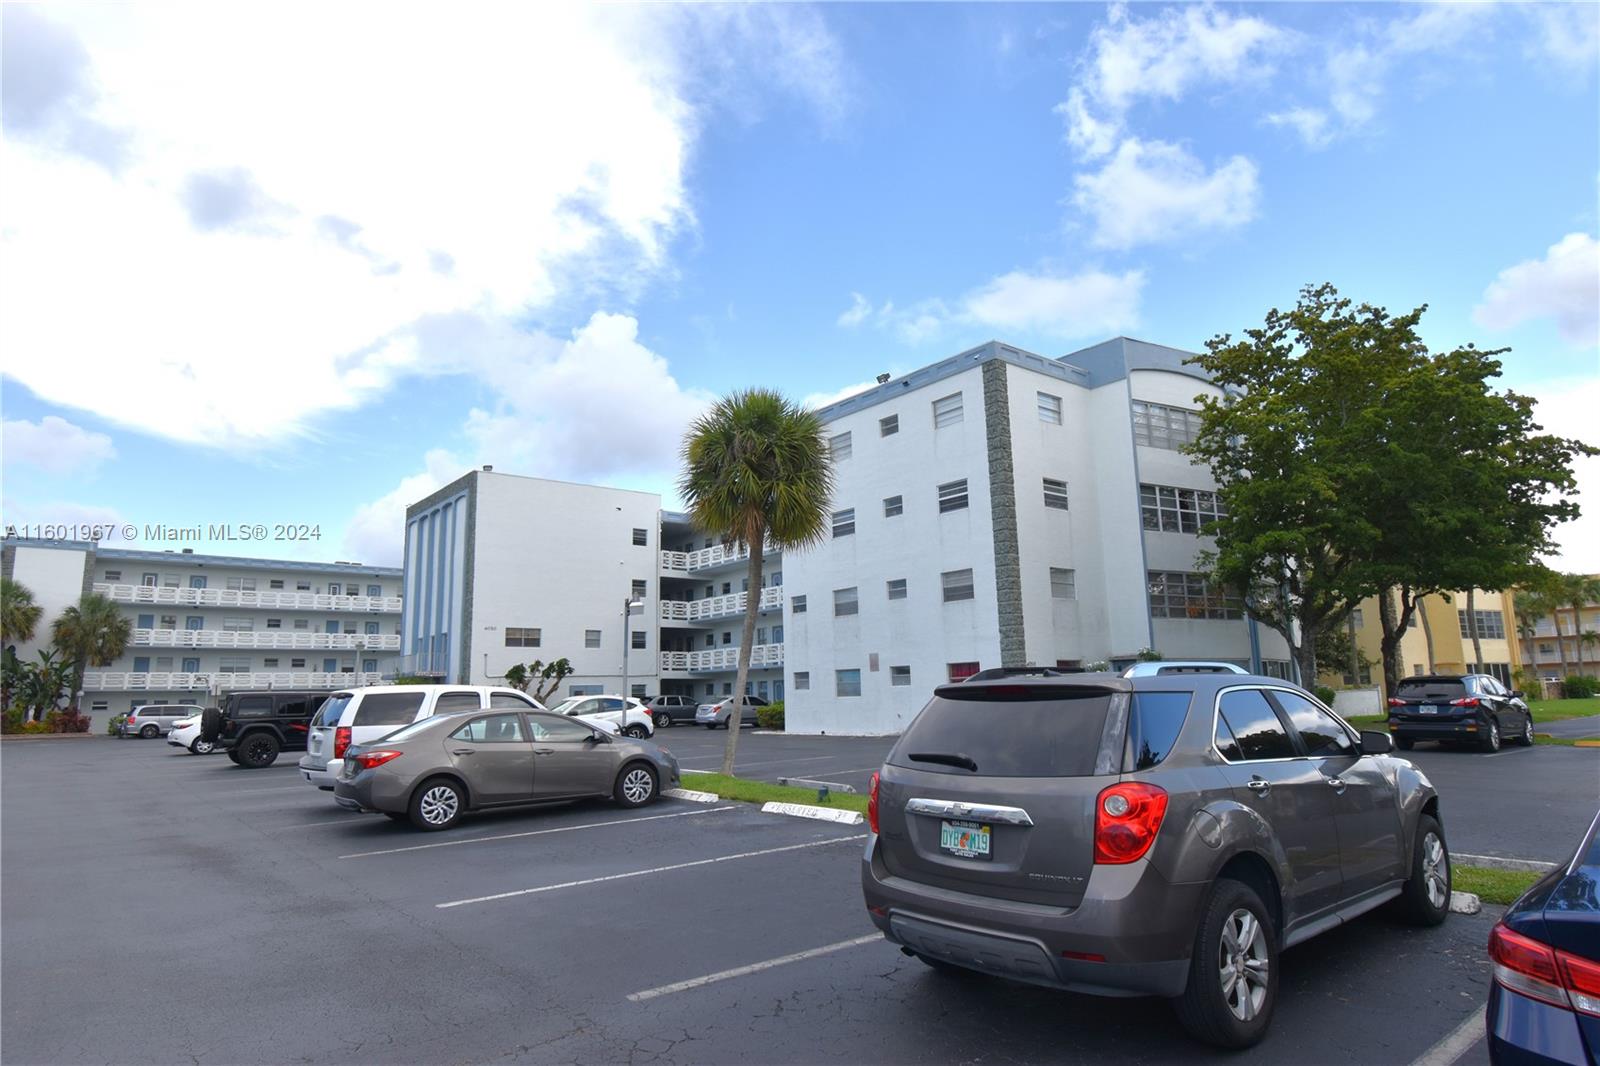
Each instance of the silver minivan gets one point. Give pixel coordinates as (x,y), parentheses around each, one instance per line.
(363,715)
(156,719)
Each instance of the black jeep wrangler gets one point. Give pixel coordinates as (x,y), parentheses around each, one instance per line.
(252,727)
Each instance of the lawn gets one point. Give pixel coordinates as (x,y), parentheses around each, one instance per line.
(1543,711)
(738,788)
(1492,886)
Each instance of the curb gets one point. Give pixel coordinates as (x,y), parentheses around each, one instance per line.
(1495,862)
(691,795)
(802,810)
(1586,743)
(1465,903)
(8,737)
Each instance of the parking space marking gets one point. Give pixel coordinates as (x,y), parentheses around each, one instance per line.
(349,819)
(1456,1044)
(1508,751)
(645,873)
(538,832)
(754,967)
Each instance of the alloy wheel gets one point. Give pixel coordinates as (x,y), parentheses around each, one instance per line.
(439,804)
(203,747)
(1527,730)
(637,785)
(1243,964)
(1494,735)
(1435,870)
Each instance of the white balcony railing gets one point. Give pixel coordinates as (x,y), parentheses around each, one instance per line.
(718,606)
(721,659)
(109,681)
(265,638)
(706,558)
(272,598)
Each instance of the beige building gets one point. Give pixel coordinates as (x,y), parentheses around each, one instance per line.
(1438,640)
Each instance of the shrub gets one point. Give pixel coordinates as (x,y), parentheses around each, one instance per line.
(14,718)
(114,726)
(770,716)
(1324,693)
(1578,687)
(70,720)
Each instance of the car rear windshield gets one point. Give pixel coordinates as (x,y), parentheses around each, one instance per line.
(332,710)
(1008,731)
(1427,688)
(388,708)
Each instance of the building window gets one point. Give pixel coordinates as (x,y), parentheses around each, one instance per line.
(164,663)
(893,507)
(1357,619)
(591,638)
(957,585)
(640,588)
(727,688)
(839,446)
(641,537)
(374,591)
(302,586)
(844,522)
(953,496)
(1063,583)
(899,676)
(1279,668)
(371,629)
(170,621)
(275,583)
(1055,494)
(233,664)
(1160,426)
(946,411)
(1491,624)
(242,584)
(847,682)
(1168,509)
(638,638)
(238,625)
(711,640)
(802,680)
(888,425)
(141,664)
(1049,408)
(727,637)
(897,589)
(962,671)
(112,575)
(523,637)
(845,602)
(149,581)
(99,705)
(297,664)
(797,604)
(1177,594)
(302,623)
(145,621)
(269,664)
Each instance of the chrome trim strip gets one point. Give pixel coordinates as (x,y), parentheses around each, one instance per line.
(982,812)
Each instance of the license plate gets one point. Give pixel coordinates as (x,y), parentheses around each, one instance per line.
(965,840)
(1428,708)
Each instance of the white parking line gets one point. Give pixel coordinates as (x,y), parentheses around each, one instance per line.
(538,832)
(349,819)
(754,967)
(1456,1044)
(1508,751)
(644,873)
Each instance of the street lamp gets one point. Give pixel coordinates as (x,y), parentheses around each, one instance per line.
(627,640)
(361,649)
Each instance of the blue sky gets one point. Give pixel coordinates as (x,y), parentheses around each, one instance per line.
(544,240)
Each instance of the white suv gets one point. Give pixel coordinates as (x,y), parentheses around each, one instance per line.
(628,716)
(366,714)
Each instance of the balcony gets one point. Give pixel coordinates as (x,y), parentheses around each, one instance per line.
(264,638)
(721,660)
(711,558)
(275,598)
(714,607)
(107,681)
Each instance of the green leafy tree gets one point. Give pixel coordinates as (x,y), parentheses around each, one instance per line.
(40,685)
(19,615)
(542,677)
(756,470)
(95,632)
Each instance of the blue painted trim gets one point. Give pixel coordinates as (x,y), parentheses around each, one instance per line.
(187,559)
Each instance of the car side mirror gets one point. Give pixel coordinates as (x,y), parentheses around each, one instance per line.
(1516,694)
(1376,742)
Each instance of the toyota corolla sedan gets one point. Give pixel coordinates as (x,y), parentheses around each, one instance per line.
(436,770)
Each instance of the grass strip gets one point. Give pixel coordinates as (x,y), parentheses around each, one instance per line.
(747,791)
(1561,710)
(1492,886)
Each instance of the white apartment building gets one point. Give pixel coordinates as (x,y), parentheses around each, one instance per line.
(997,508)
(204,624)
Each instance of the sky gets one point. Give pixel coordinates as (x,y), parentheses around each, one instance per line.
(297,265)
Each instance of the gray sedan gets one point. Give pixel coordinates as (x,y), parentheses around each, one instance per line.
(437,769)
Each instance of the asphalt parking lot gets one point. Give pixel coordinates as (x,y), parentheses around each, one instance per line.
(161,907)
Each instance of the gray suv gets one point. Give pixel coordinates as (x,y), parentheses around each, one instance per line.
(1163,835)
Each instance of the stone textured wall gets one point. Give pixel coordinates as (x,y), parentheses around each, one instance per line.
(1003,506)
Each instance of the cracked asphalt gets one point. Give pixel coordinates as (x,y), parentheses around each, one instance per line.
(160,907)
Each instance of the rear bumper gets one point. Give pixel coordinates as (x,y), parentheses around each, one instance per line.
(320,773)
(371,790)
(1525,1032)
(1142,926)
(1443,729)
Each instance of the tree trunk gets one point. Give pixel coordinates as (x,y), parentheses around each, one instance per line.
(1355,652)
(752,605)
(1472,630)
(1577,634)
(1389,648)
(1561,645)
(1305,656)
(1427,634)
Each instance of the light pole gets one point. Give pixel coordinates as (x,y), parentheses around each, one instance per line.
(627,640)
(361,649)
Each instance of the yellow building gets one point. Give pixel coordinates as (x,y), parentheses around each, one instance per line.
(1437,641)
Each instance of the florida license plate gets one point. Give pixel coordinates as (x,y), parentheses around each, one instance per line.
(965,840)
(1429,708)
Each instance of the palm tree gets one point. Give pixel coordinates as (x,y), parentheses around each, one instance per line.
(19,615)
(1577,590)
(1526,608)
(757,470)
(95,632)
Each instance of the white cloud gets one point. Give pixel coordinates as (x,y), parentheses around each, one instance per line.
(852,316)
(1152,191)
(1568,34)
(823,399)
(376,533)
(1309,122)
(1564,285)
(1566,408)
(55,446)
(262,246)
(68,513)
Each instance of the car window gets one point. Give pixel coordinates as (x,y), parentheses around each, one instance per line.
(1154,721)
(610,705)
(294,707)
(1014,731)
(1252,728)
(332,710)
(548,727)
(387,708)
(456,701)
(1431,688)
(252,707)
(1322,735)
(509,701)
(491,729)
(1491,685)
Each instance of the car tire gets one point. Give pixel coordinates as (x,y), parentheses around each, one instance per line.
(663,720)
(257,751)
(201,747)
(1526,739)
(149,732)
(437,804)
(637,732)
(1425,898)
(1490,740)
(210,724)
(711,725)
(1404,745)
(233,756)
(636,786)
(1226,1003)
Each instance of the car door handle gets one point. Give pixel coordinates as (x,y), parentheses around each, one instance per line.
(1257,784)
(461,751)
(544,751)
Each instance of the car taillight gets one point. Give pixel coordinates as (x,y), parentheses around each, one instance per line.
(1469,701)
(369,759)
(341,741)
(872,804)
(1524,965)
(1396,701)
(1127,817)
